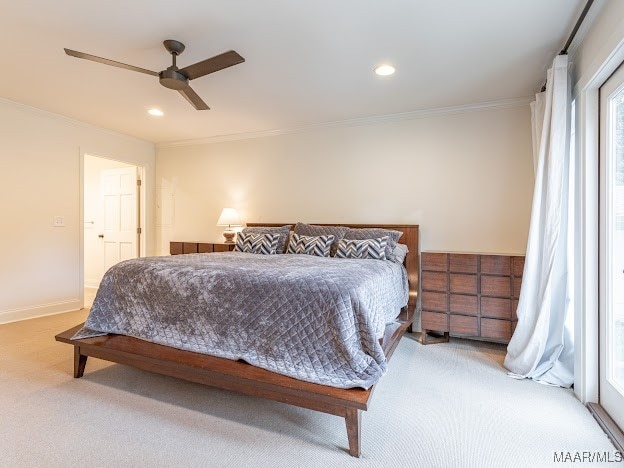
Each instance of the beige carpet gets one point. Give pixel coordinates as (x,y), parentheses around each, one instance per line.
(440,405)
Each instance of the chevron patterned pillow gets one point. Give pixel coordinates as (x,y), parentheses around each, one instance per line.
(310,245)
(265,244)
(283,232)
(365,248)
(376,233)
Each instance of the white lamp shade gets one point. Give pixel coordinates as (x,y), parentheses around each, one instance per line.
(229,217)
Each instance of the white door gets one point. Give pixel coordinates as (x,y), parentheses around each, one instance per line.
(119,212)
(611,228)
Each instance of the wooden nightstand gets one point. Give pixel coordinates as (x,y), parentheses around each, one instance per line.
(177,248)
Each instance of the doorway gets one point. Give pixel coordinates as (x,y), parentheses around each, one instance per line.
(112,217)
(611,248)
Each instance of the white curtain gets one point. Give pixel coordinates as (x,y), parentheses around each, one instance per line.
(541,347)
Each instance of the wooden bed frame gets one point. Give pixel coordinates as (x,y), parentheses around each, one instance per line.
(243,378)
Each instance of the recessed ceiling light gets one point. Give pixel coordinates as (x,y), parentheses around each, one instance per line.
(155,112)
(385,70)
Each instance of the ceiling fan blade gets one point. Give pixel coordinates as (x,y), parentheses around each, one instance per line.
(94,58)
(192,97)
(211,65)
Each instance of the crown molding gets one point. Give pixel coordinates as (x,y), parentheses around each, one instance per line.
(372,120)
(69,120)
(377,119)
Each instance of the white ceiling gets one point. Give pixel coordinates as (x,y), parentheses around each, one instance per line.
(306,62)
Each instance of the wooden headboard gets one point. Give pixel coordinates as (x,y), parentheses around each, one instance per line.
(409,238)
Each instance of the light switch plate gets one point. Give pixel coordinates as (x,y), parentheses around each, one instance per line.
(59,221)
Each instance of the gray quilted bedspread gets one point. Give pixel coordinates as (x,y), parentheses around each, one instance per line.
(311,318)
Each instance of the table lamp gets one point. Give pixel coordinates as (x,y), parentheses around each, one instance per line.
(229,217)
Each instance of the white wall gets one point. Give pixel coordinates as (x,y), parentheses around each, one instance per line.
(466,178)
(39,179)
(93,245)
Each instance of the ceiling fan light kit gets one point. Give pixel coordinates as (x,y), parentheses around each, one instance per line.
(174,77)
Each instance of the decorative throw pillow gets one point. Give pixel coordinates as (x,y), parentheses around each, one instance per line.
(364,248)
(376,233)
(312,230)
(265,244)
(310,245)
(283,232)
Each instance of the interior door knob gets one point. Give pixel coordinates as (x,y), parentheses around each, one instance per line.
(101,236)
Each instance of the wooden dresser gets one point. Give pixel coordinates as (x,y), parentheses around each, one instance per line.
(469,295)
(177,248)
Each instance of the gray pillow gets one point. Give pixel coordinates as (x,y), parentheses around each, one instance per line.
(376,233)
(283,231)
(312,230)
(400,252)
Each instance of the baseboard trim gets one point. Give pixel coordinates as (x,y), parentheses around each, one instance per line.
(92,283)
(27,313)
(608,425)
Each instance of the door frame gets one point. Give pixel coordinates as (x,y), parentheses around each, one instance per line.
(605,273)
(141,169)
(586,244)
(586,378)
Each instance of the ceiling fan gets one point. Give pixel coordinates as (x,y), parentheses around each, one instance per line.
(174,77)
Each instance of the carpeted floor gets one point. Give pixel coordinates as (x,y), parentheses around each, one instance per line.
(445,405)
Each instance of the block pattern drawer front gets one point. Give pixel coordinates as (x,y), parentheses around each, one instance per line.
(205,248)
(189,247)
(434,321)
(435,262)
(496,329)
(435,280)
(464,326)
(495,265)
(517,266)
(496,307)
(463,304)
(516,283)
(434,301)
(463,284)
(463,263)
(496,286)
(176,248)
(471,295)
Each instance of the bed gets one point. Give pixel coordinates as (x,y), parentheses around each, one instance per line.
(238,375)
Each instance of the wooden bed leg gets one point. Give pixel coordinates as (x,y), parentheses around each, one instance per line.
(354,426)
(80,361)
